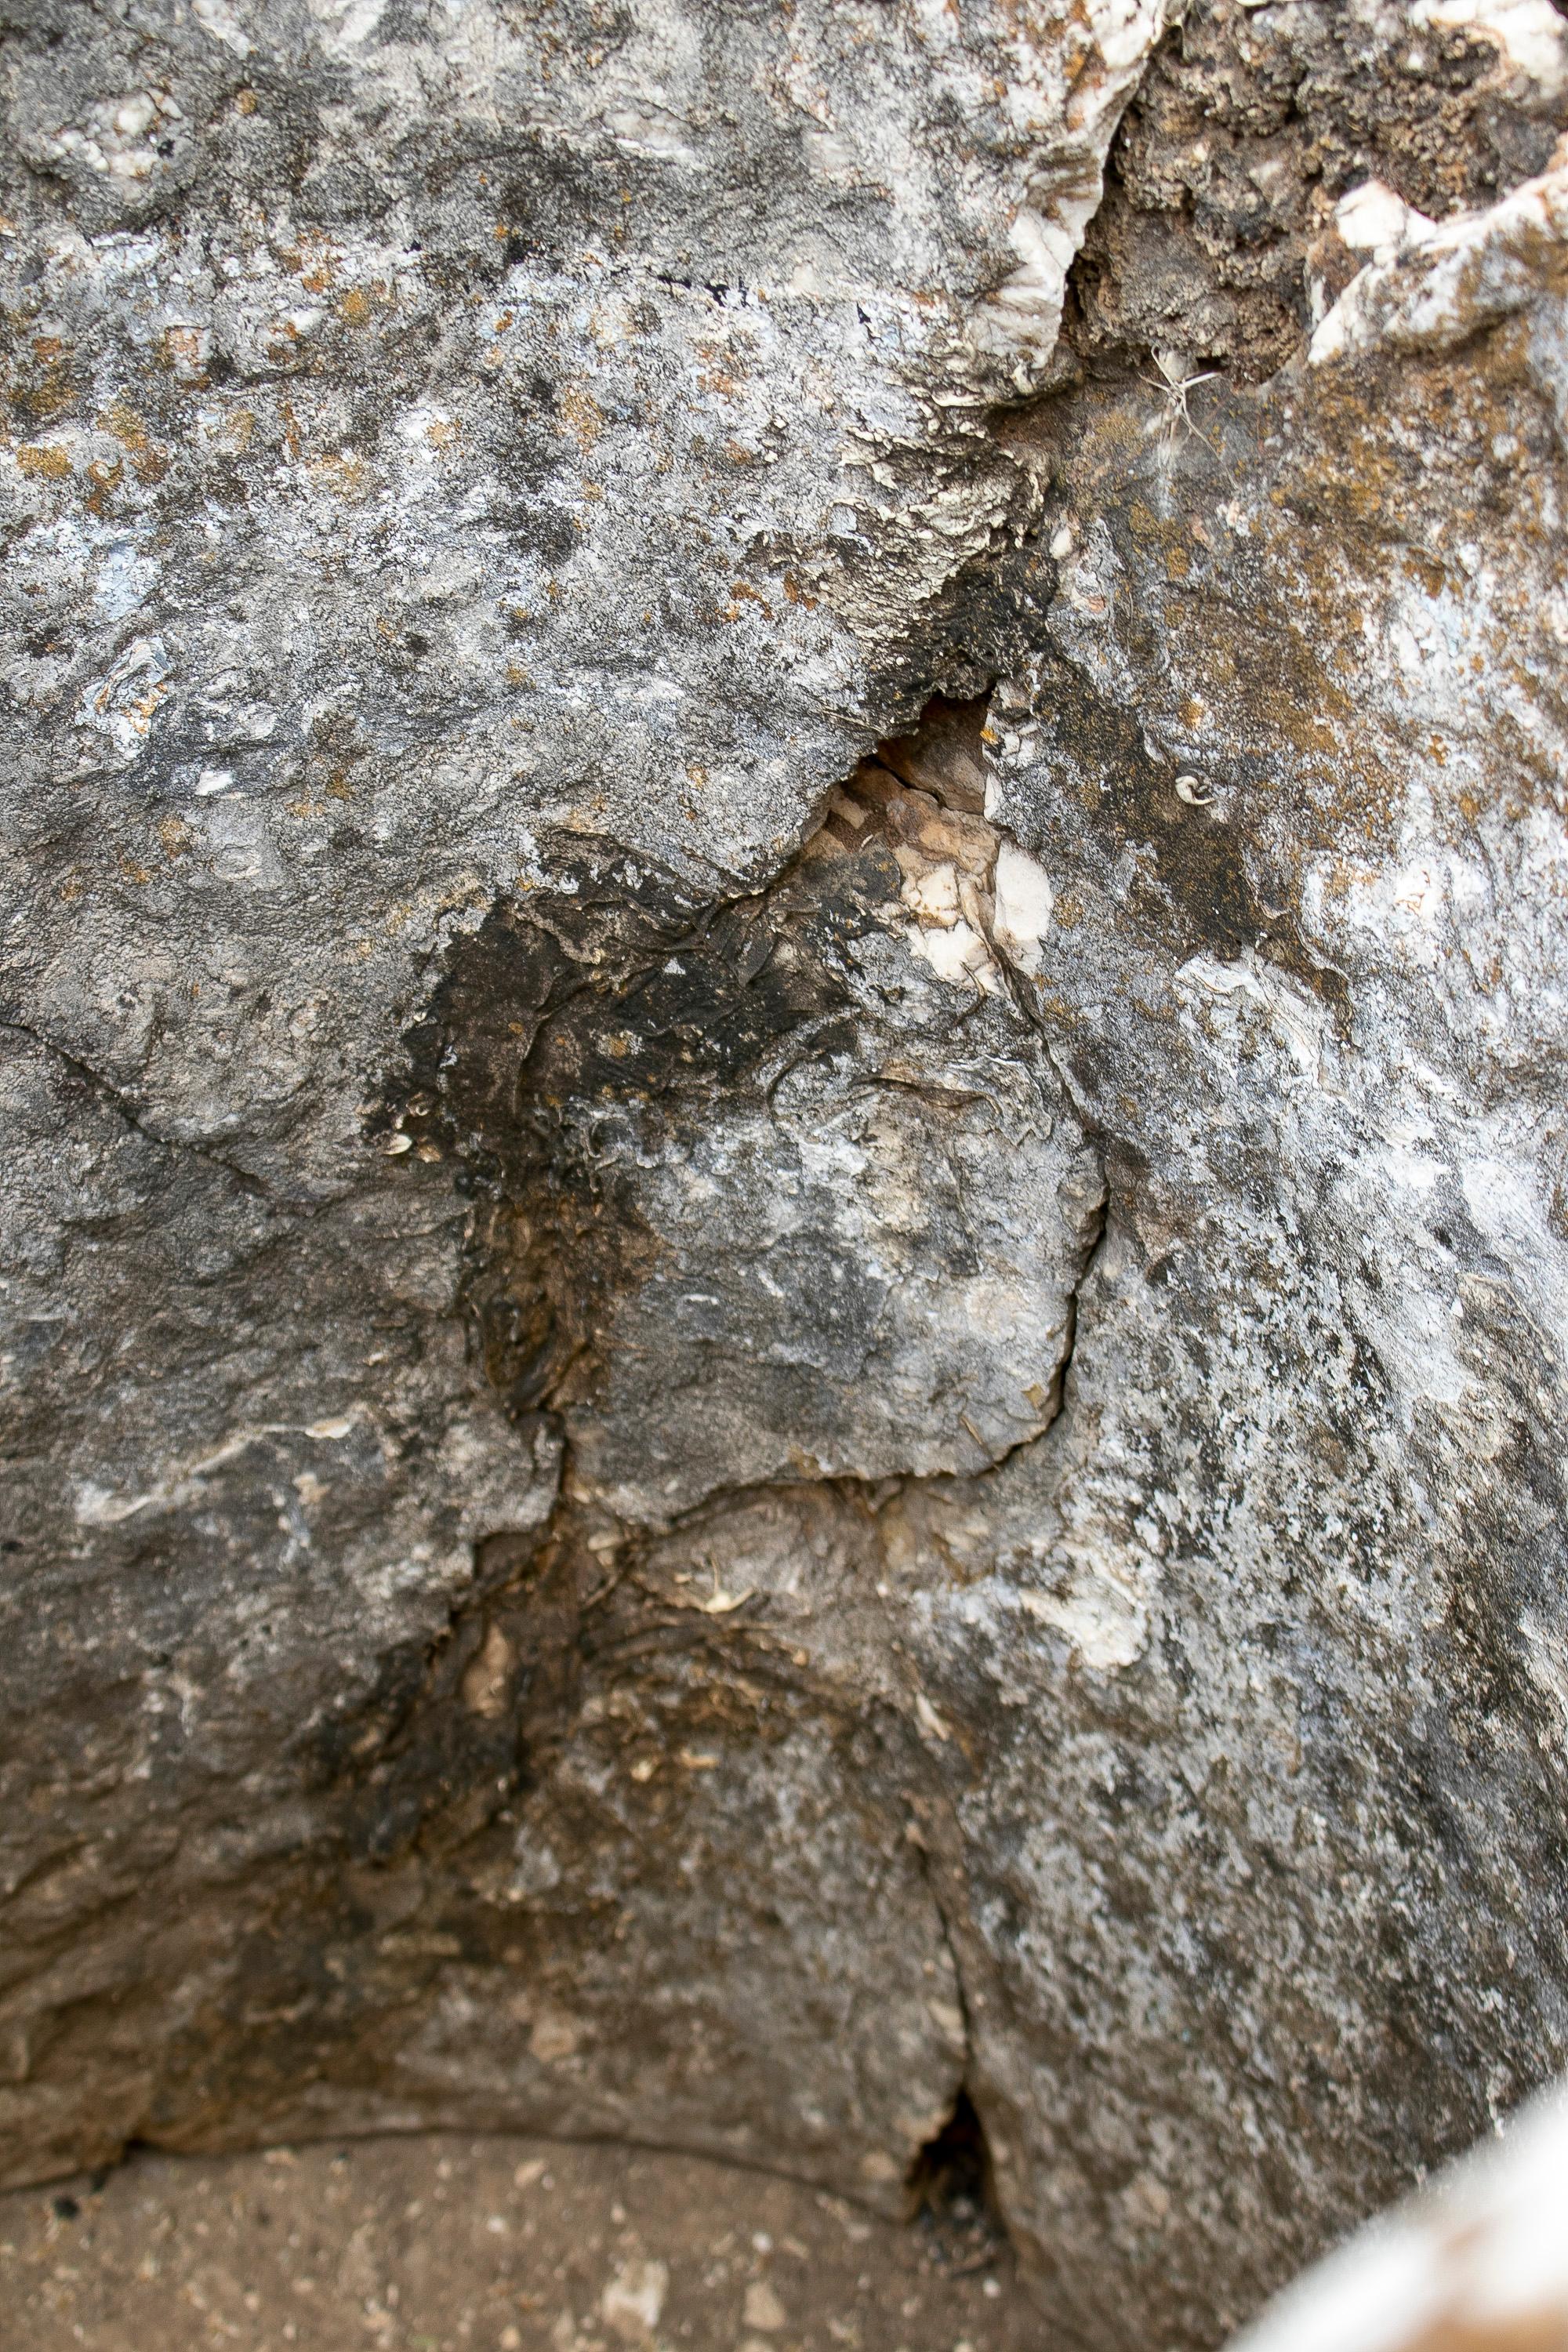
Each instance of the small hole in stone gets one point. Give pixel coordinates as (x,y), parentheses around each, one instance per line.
(951,2191)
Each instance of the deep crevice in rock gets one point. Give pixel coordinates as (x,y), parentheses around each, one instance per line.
(952,2178)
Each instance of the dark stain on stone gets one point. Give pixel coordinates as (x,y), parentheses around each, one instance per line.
(453,1734)
(568,1011)
(1247,128)
(1199,873)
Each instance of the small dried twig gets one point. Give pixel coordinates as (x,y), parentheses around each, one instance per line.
(1173,389)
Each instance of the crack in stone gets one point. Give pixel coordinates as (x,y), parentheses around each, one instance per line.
(107,1092)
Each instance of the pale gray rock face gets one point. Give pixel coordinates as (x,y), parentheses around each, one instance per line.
(711,1436)
(453,452)
(1478,2259)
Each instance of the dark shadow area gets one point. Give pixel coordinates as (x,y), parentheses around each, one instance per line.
(951,2192)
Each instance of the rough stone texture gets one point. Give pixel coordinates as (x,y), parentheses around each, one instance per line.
(1477,2264)
(1216,236)
(478,478)
(715,1430)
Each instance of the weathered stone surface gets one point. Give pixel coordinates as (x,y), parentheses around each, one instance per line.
(715,1430)
(1477,2264)
(1291,753)
(1218,236)
(454,455)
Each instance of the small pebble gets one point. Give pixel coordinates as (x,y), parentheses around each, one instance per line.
(764,2308)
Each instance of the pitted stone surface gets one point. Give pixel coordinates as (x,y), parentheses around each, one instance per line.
(448,449)
(714,1430)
